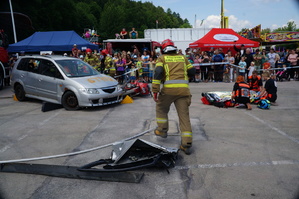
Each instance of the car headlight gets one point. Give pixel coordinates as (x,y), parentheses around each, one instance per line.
(90,90)
(119,87)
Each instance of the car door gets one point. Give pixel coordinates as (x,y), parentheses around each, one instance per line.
(26,71)
(48,80)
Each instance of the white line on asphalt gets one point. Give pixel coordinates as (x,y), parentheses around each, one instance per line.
(48,119)
(4,148)
(244,164)
(22,137)
(273,128)
(30,131)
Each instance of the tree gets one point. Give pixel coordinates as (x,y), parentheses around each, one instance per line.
(106,16)
(291,26)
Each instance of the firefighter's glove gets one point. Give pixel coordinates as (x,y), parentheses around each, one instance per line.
(155,96)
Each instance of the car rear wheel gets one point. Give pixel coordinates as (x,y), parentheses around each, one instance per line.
(20,93)
(70,101)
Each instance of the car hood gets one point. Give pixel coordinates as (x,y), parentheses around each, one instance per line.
(97,81)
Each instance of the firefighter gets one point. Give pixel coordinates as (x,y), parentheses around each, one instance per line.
(107,64)
(91,59)
(173,71)
(241,92)
(255,82)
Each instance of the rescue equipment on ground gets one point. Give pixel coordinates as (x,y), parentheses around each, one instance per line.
(126,155)
(135,154)
(223,98)
(264,104)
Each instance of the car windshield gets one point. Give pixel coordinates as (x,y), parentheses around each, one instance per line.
(76,68)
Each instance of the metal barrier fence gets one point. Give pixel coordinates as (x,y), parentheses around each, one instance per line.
(236,66)
(212,64)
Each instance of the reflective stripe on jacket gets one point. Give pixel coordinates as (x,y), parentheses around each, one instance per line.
(172,70)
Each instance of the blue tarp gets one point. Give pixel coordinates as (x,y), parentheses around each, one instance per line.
(51,41)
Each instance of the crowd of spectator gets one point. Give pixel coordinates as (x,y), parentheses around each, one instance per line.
(243,61)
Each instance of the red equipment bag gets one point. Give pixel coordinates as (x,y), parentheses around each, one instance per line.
(205,101)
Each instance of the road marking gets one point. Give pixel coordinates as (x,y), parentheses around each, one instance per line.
(244,164)
(274,128)
(22,137)
(4,148)
(48,119)
(30,131)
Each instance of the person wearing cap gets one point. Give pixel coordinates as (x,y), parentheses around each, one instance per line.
(241,50)
(75,52)
(173,71)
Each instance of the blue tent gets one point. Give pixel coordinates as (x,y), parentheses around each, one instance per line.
(51,41)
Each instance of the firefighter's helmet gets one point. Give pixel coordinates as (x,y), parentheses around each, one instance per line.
(104,52)
(168,46)
(88,50)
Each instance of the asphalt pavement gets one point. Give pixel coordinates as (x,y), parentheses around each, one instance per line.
(237,153)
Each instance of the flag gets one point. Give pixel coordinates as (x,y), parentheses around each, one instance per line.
(201,22)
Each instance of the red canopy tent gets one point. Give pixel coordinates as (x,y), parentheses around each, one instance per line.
(222,38)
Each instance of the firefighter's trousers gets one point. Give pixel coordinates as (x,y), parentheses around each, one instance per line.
(182,104)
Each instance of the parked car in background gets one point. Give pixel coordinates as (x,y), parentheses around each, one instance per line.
(63,80)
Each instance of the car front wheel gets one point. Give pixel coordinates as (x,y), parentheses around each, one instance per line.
(70,101)
(20,93)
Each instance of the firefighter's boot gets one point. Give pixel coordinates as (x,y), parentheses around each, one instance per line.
(160,133)
(186,145)
(186,149)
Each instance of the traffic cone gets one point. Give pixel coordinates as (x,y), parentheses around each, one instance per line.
(127,100)
(15,98)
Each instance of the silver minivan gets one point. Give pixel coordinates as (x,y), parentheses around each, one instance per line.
(63,80)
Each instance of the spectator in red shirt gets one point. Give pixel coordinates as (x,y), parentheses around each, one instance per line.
(123,34)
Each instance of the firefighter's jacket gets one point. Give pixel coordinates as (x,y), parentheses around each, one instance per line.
(108,63)
(92,60)
(173,71)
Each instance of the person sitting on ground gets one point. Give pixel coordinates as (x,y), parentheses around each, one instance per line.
(241,92)
(270,91)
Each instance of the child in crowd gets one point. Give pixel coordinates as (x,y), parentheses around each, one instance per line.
(226,73)
(145,69)
(151,68)
(282,73)
(196,63)
(266,66)
(133,73)
(139,66)
(242,66)
(251,68)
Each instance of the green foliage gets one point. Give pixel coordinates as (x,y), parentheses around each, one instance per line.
(291,26)
(264,31)
(106,16)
